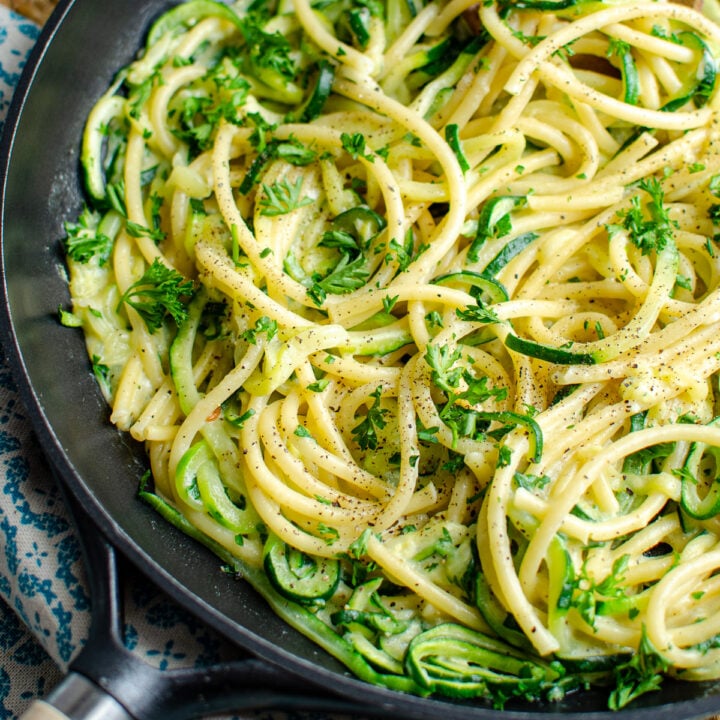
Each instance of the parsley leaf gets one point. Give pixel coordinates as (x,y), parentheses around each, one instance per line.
(263,324)
(83,240)
(443,546)
(290,150)
(302,432)
(157,294)
(647,233)
(458,412)
(358,547)
(282,198)
(136,230)
(294,152)
(319,385)
(642,673)
(353,144)
(101,372)
(531,482)
(346,277)
(389,303)
(478,313)
(352,233)
(221,96)
(267,51)
(588,592)
(140,94)
(426,435)
(441,361)
(330,534)
(339,239)
(714,185)
(405,254)
(365,434)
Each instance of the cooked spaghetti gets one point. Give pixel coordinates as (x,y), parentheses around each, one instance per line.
(416,308)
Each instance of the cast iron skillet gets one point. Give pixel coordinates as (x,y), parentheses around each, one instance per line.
(82,46)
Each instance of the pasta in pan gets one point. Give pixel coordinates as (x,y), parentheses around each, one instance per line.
(416,308)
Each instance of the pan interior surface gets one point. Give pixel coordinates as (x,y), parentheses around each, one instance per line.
(74,63)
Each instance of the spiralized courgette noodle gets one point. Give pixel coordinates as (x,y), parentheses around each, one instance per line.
(416,308)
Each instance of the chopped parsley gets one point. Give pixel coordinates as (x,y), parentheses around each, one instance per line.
(101,372)
(405,253)
(159,293)
(478,313)
(263,325)
(354,145)
(319,385)
(282,198)
(347,276)
(642,673)
(458,412)
(365,434)
(83,240)
(267,51)
(650,228)
(352,234)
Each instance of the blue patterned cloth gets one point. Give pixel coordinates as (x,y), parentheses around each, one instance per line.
(44,602)
(26,669)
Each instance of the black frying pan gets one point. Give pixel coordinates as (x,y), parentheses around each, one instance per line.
(81,47)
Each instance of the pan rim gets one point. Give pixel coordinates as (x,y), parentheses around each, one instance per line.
(347,685)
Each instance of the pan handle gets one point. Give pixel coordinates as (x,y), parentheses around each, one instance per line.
(76,698)
(108,682)
(40,710)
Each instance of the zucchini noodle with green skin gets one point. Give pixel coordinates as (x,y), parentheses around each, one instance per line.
(416,309)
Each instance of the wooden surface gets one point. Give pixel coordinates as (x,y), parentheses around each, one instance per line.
(37,10)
